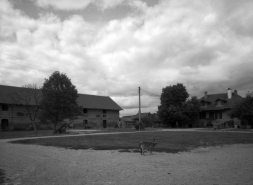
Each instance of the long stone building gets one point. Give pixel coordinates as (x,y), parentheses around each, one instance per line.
(98,111)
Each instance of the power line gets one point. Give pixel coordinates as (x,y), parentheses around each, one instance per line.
(151,93)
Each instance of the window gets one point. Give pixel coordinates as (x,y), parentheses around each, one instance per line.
(219,103)
(104,111)
(211,115)
(85,111)
(98,116)
(220,115)
(4,107)
(203,104)
(104,116)
(202,115)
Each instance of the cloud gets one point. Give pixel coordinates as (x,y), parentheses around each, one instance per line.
(77,4)
(206,45)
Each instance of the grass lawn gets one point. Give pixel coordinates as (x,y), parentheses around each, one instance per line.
(22,134)
(171,142)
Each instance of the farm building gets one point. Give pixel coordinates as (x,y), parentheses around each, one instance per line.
(98,111)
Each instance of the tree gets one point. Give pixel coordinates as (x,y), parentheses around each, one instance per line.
(191,109)
(59,100)
(244,109)
(30,96)
(172,98)
(148,122)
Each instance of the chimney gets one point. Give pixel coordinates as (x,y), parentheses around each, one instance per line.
(229,93)
(205,95)
(235,92)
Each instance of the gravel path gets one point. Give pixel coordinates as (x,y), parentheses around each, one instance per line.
(35,165)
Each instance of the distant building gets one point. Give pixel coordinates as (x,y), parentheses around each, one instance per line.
(142,115)
(215,108)
(129,121)
(98,111)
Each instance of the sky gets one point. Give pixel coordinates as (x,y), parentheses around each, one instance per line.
(112,47)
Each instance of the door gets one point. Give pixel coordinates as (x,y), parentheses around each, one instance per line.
(5,124)
(104,123)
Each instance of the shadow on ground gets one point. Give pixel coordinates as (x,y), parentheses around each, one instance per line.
(2,176)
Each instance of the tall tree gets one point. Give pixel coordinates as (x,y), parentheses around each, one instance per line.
(30,97)
(172,98)
(244,109)
(59,99)
(191,109)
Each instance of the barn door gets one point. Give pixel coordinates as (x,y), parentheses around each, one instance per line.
(5,124)
(104,123)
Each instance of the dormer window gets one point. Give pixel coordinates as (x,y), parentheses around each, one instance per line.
(203,103)
(219,103)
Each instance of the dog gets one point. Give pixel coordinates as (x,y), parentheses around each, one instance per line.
(145,146)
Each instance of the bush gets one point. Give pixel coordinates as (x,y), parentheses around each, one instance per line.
(19,128)
(140,126)
(148,122)
(88,127)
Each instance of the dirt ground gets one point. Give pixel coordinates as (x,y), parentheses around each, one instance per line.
(35,165)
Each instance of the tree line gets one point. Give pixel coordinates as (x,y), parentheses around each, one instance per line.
(177,109)
(56,100)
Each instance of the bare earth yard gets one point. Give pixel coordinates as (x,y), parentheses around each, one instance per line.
(34,164)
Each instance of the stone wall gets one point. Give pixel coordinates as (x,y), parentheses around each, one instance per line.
(16,116)
(97,118)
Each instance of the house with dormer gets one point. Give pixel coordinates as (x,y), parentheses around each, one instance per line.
(216,108)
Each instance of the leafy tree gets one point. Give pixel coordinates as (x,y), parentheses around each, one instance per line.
(244,109)
(148,122)
(172,99)
(191,108)
(30,96)
(59,100)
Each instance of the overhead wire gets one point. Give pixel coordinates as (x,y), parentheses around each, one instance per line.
(150,93)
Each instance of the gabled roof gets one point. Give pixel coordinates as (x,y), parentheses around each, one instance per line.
(212,98)
(220,99)
(97,102)
(84,100)
(6,93)
(143,115)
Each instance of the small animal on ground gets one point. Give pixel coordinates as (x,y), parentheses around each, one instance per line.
(147,146)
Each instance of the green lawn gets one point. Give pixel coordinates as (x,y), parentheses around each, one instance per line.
(171,142)
(22,134)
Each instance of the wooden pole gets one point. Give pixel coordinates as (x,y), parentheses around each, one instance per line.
(139,108)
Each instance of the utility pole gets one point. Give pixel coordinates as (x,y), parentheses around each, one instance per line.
(139,108)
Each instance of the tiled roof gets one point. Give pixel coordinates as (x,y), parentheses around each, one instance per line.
(87,101)
(143,115)
(228,103)
(6,93)
(97,102)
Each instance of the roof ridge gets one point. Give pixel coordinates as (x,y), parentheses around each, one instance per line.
(92,95)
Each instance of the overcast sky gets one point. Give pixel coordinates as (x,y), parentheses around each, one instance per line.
(111,47)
